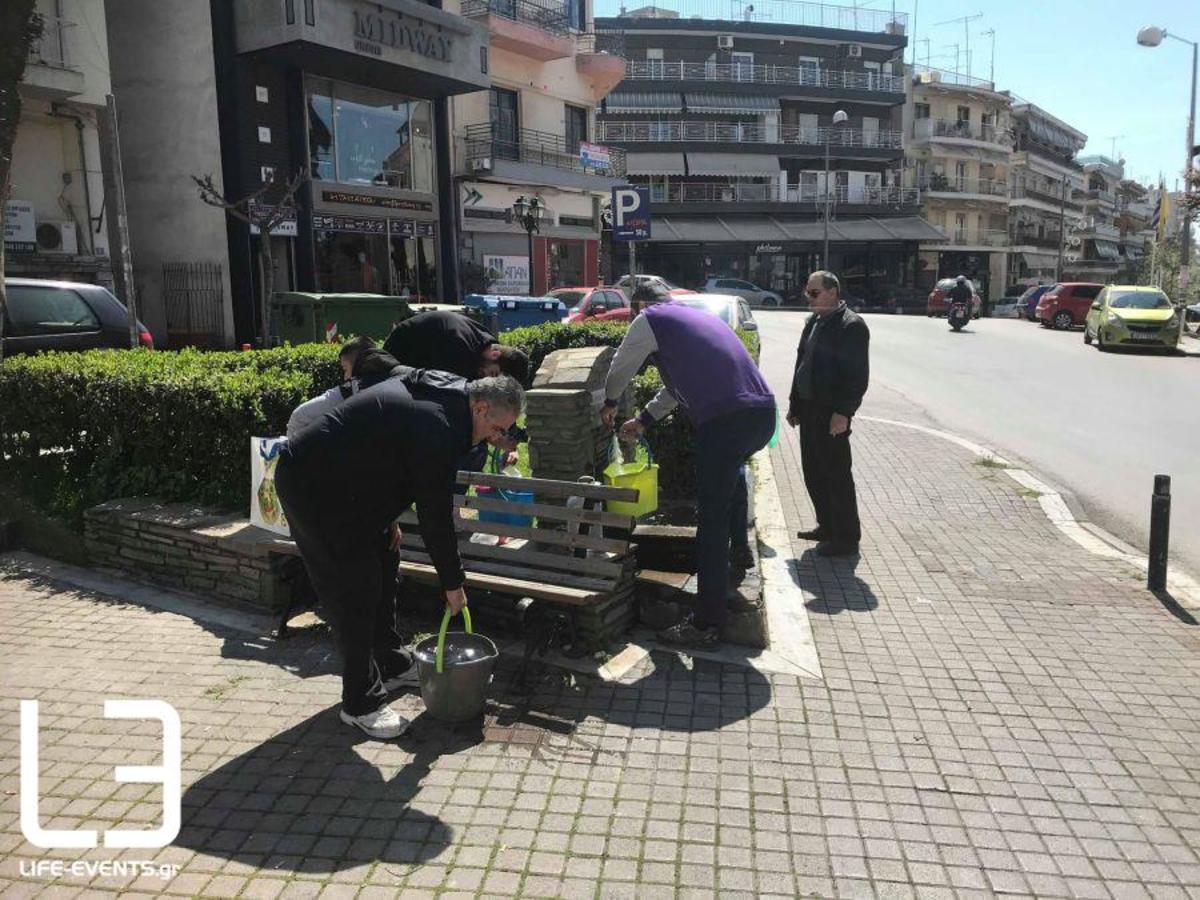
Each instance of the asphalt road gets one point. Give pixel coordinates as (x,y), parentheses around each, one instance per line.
(1099,425)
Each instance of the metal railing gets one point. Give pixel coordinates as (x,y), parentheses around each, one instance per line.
(932,75)
(779,12)
(746,73)
(51,48)
(1029,144)
(738,192)
(1052,197)
(924,129)
(1100,195)
(1103,230)
(591,42)
(540,148)
(980,238)
(1033,239)
(543,14)
(949,185)
(745,133)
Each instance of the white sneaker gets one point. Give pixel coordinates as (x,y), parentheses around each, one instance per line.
(409,678)
(383,724)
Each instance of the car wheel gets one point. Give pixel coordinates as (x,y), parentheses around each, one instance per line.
(1100,345)
(1087,334)
(1063,320)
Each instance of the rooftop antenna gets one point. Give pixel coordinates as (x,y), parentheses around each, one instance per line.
(991,33)
(966,24)
(1113,138)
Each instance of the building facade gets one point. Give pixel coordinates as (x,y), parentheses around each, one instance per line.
(959,146)
(1096,243)
(1046,181)
(353,94)
(59,212)
(533,135)
(747,131)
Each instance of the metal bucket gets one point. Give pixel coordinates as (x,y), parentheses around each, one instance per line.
(455,670)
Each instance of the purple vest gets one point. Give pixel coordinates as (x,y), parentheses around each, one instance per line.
(703,363)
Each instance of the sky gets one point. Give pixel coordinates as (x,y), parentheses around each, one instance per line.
(1077,59)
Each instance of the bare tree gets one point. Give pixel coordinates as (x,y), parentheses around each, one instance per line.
(265,209)
(20,28)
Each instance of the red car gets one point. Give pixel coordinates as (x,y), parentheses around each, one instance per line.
(1066,305)
(595,304)
(936,304)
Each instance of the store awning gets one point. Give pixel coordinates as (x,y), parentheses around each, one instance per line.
(643,102)
(654,164)
(713,229)
(1107,249)
(733,104)
(732,164)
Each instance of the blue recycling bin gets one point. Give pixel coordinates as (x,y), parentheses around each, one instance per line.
(502,312)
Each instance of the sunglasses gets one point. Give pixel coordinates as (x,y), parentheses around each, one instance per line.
(814,293)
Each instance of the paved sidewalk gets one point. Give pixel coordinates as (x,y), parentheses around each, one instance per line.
(1000,713)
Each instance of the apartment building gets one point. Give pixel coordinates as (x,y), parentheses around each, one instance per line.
(533,135)
(1096,243)
(1135,222)
(1046,180)
(59,211)
(959,146)
(747,131)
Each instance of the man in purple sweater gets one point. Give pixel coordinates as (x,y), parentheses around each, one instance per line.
(708,372)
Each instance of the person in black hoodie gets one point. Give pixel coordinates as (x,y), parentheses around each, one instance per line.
(346,477)
(828,384)
(454,343)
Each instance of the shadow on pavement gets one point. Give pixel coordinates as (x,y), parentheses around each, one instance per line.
(832,584)
(1171,605)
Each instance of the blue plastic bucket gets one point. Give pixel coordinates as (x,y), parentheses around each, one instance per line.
(505,518)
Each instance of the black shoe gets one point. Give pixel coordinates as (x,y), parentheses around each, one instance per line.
(813,534)
(837,548)
(686,634)
(737,602)
(741,557)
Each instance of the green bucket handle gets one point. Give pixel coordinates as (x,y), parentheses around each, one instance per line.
(641,441)
(441,644)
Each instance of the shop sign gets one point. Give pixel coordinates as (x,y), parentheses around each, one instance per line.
(20,226)
(372,200)
(769,248)
(286,228)
(373,31)
(594,156)
(352,224)
(507,274)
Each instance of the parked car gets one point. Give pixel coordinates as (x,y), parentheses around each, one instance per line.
(1008,307)
(734,311)
(65,315)
(935,304)
(657,282)
(1134,316)
(749,292)
(598,304)
(1029,300)
(1067,304)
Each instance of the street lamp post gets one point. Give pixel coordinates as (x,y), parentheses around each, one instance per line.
(528,211)
(838,118)
(1152,36)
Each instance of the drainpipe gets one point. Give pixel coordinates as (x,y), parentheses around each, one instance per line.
(57,111)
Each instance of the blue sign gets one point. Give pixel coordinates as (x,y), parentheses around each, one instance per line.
(631,213)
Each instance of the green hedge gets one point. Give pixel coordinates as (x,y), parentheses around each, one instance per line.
(80,428)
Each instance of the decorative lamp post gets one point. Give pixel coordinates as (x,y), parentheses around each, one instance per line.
(528,213)
(838,118)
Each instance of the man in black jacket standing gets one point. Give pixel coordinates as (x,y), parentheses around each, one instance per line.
(348,475)
(828,384)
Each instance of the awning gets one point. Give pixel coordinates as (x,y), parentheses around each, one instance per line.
(732,164)
(713,229)
(733,104)
(654,164)
(643,102)
(1107,249)
(1040,260)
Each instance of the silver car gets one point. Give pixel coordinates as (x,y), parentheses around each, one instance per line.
(744,289)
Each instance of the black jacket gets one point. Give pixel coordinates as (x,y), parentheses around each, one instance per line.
(961,293)
(350,474)
(440,340)
(841,367)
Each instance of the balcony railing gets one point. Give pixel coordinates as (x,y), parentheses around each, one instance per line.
(948,185)
(51,48)
(1020,238)
(788,12)
(789,76)
(1101,196)
(591,42)
(1054,198)
(745,133)
(978,239)
(543,14)
(930,75)
(540,148)
(924,129)
(1102,230)
(736,192)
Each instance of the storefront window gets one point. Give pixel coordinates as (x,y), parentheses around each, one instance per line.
(422,146)
(320,133)
(354,263)
(566,263)
(414,260)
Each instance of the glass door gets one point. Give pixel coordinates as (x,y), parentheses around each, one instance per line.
(506,124)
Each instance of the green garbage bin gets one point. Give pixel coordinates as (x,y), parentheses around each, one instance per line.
(300,318)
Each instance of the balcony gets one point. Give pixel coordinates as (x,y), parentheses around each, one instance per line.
(538,29)
(1099,195)
(785,77)
(789,12)
(49,74)
(1103,230)
(526,156)
(1051,198)
(987,136)
(599,59)
(984,239)
(941,187)
(695,195)
(1022,238)
(840,139)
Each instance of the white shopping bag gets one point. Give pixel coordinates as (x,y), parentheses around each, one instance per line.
(265,508)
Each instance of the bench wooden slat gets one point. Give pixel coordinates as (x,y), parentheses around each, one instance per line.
(548,511)
(426,574)
(526,556)
(547,488)
(563,579)
(546,536)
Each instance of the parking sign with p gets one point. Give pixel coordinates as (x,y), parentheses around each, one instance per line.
(631,213)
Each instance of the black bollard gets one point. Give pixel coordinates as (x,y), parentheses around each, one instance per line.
(1160,532)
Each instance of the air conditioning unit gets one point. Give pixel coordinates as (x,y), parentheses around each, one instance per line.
(854,51)
(57,237)
(481,165)
(724,41)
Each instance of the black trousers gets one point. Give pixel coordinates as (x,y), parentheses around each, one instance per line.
(827,475)
(355,580)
